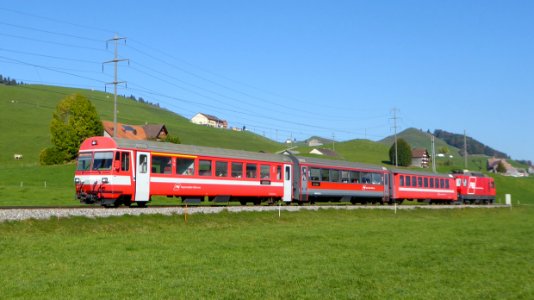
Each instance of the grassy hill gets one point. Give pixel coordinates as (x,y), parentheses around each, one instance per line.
(26,111)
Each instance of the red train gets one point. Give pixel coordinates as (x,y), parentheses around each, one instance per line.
(474,188)
(113,171)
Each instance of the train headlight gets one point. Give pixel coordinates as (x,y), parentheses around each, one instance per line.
(77,180)
(105,180)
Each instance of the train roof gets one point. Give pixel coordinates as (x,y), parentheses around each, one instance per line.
(338,163)
(200,150)
(420,173)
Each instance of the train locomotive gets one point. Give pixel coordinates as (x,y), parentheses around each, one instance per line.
(114,172)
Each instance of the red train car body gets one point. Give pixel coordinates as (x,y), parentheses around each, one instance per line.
(422,186)
(114,171)
(331,180)
(119,171)
(475,188)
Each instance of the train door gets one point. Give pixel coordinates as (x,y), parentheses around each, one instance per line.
(471,186)
(142,177)
(287,183)
(303,183)
(387,184)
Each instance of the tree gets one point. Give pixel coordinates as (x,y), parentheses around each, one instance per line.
(404,153)
(444,150)
(500,167)
(75,120)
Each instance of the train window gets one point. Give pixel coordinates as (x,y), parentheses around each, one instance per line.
(161,165)
(408,180)
(252,170)
(278,172)
(185,166)
(325,175)
(204,167)
(401,180)
(125,161)
(102,161)
(442,183)
(143,163)
(377,178)
(425,181)
(447,185)
(237,170)
(419,182)
(414,181)
(345,176)
(221,168)
(84,162)
(366,177)
(431,182)
(265,172)
(288,173)
(304,174)
(354,176)
(315,174)
(458,181)
(334,175)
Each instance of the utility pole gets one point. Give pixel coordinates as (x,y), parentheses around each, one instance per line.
(465,150)
(395,128)
(433,154)
(333,141)
(115,82)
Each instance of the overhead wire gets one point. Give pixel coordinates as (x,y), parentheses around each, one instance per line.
(241,111)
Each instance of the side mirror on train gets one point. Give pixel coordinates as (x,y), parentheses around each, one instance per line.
(117,165)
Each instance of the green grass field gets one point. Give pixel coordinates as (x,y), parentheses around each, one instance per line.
(420,254)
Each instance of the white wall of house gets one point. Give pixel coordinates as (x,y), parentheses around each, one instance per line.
(200,119)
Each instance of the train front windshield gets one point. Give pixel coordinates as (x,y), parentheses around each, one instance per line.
(99,161)
(84,162)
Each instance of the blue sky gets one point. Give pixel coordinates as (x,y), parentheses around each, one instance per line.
(296,68)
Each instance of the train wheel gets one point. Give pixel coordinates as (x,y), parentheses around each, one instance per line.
(243,202)
(257,201)
(141,204)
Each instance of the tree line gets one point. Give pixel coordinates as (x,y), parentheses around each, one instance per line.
(9,81)
(473,146)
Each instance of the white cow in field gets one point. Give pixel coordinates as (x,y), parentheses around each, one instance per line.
(17,156)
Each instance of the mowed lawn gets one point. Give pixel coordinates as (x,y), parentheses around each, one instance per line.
(459,254)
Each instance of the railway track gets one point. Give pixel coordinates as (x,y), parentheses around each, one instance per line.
(40,212)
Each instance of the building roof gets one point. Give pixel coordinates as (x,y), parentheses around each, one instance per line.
(419,153)
(132,132)
(212,117)
(153,131)
(135,132)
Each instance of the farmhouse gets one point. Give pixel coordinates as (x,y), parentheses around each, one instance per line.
(493,164)
(209,120)
(155,132)
(420,158)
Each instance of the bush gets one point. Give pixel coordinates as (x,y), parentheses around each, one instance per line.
(404,153)
(51,156)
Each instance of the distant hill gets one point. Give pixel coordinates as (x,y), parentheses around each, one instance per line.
(421,139)
(473,146)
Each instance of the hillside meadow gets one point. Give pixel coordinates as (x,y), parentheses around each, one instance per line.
(27,111)
(326,254)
